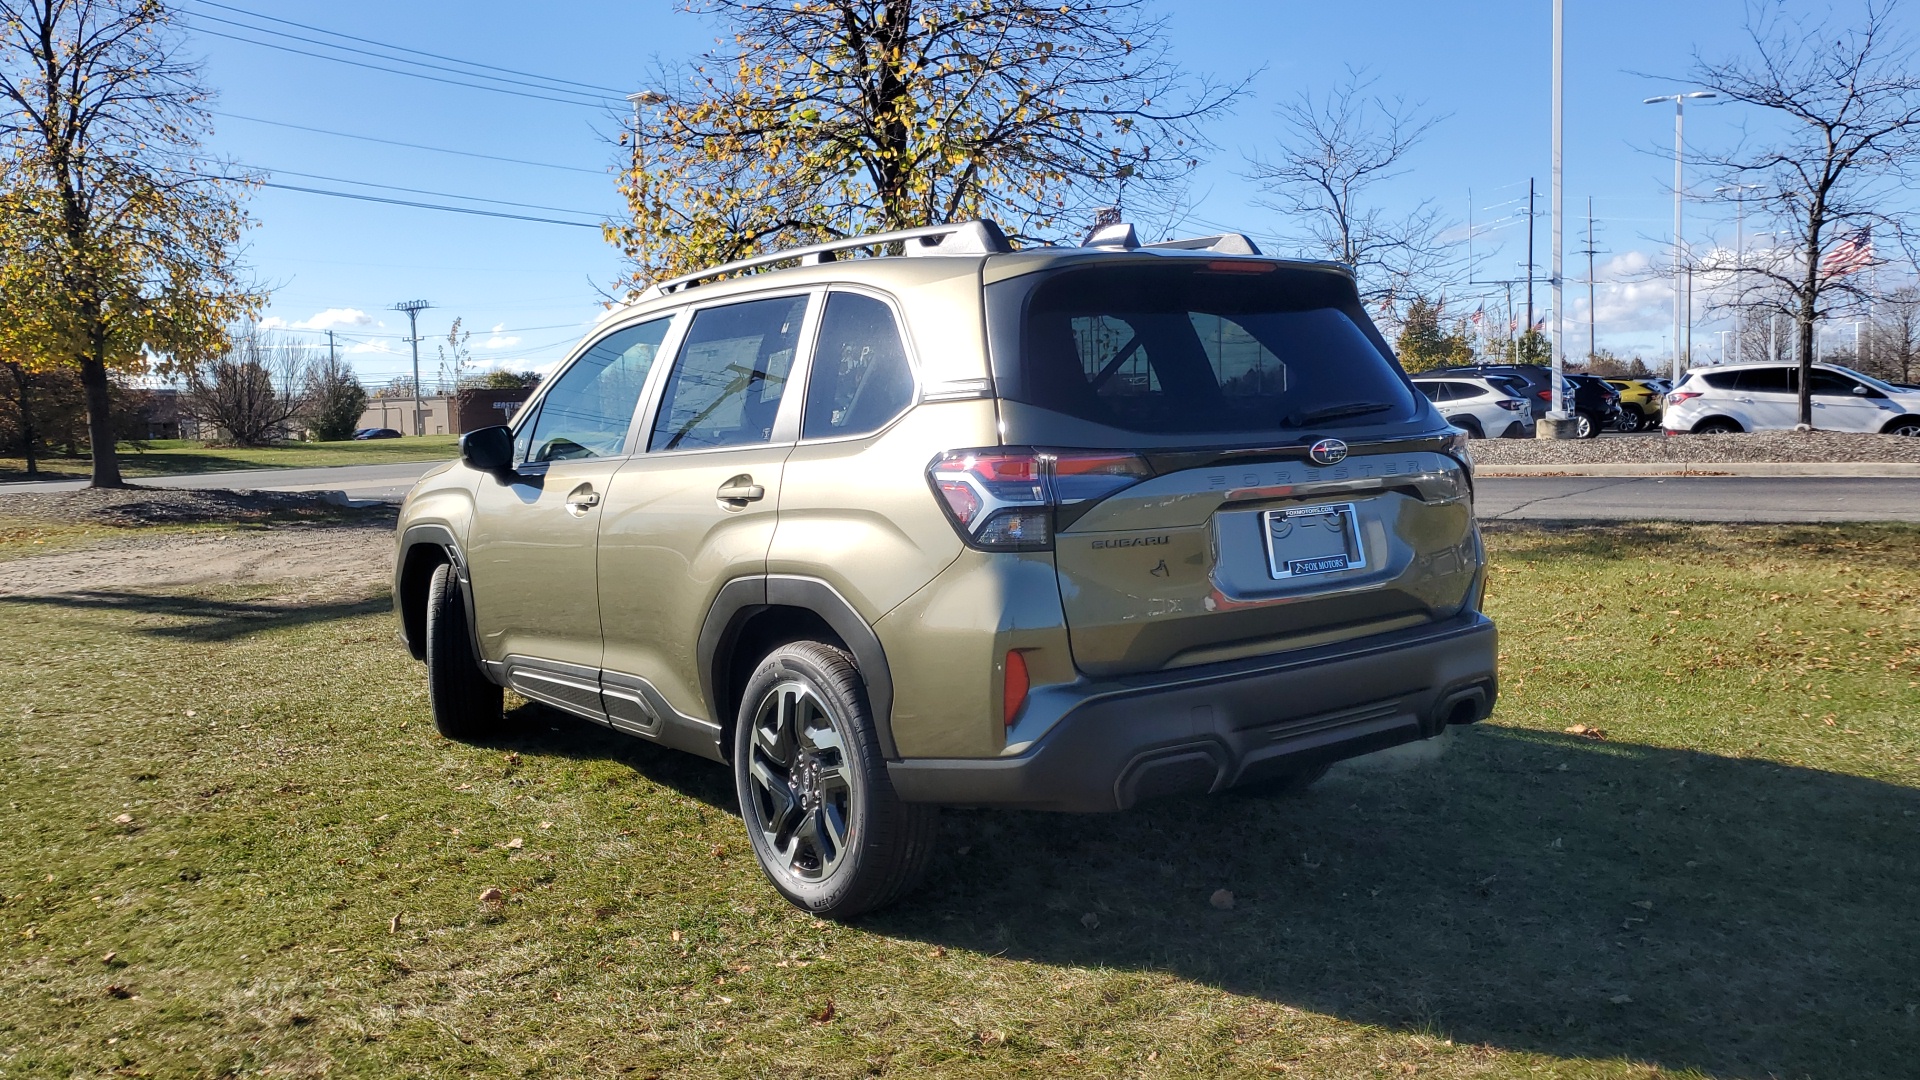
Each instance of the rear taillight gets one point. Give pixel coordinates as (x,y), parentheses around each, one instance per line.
(1460,448)
(1511,404)
(1006,498)
(1545,395)
(1679,396)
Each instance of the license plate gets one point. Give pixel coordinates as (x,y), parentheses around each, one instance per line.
(1303,541)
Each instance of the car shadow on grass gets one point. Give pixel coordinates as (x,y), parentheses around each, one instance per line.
(1531,892)
(201,619)
(1528,891)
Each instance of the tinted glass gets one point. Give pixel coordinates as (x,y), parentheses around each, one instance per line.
(1833,384)
(1435,391)
(726,385)
(1194,350)
(590,407)
(859,379)
(1720,380)
(1769,380)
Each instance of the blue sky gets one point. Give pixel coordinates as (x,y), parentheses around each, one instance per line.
(529,290)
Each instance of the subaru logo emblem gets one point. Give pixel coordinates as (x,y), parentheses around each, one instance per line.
(1328,452)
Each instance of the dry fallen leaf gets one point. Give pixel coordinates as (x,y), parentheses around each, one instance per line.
(123,819)
(546,824)
(514,844)
(491,896)
(1221,899)
(108,959)
(676,935)
(1643,905)
(824,1014)
(119,991)
(718,851)
(1090,920)
(1621,999)
(393,925)
(938,952)
(1586,732)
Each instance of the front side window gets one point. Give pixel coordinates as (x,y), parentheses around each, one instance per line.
(860,379)
(587,412)
(1834,384)
(727,383)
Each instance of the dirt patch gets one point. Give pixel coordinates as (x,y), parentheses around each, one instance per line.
(132,507)
(313,561)
(1679,450)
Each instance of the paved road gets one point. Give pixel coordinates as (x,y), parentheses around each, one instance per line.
(1698,498)
(1525,498)
(389,482)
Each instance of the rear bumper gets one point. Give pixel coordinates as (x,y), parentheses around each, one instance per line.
(1208,728)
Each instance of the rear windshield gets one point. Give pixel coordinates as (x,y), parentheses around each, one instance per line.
(1183,350)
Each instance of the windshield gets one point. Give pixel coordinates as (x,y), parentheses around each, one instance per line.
(1198,348)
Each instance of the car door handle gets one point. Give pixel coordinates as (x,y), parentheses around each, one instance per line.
(740,489)
(582,499)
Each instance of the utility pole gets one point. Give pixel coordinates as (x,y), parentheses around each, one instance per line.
(413,308)
(1559,209)
(332,357)
(1592,312)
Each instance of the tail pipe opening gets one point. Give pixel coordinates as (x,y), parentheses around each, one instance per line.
(1469,705)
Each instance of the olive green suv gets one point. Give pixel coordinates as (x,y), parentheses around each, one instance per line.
(918,519)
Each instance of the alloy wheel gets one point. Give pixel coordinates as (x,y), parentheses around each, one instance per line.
(803,791)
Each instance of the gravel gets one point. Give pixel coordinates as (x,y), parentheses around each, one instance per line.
(131,507)
(1768,446)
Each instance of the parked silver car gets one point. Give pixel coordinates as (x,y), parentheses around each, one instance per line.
(1479,406)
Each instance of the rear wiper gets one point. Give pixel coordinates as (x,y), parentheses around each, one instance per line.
(1335,412)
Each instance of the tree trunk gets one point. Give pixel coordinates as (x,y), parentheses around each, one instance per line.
(106,460)
(28,436)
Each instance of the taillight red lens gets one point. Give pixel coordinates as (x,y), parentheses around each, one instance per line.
(1013,693)
(1679,396)
(1003,498)
(1545,395)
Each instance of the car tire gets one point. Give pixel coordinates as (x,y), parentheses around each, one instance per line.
(821,814)
(1908,426)
(1285,786)
(1587,425)
(466,704)
(1469,425)
(1716,425)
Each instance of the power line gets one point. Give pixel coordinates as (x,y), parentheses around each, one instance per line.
(408,145)
(410,74)
(391,59)
(399,48)
(423,206)
(423,191)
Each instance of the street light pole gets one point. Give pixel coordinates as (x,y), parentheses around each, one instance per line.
(1679,195)
(1559,215)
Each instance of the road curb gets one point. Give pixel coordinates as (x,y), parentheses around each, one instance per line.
(1886,470)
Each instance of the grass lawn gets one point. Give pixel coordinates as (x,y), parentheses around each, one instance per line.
(234,845)
(179,457)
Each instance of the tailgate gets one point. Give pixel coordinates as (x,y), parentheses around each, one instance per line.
(1234,560)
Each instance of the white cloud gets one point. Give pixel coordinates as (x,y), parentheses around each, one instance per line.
(330,319)
(499,339)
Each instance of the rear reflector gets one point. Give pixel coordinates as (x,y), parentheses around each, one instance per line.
(1014,691)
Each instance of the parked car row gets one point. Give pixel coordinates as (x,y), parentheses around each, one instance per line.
(1475,398)
(1766,397)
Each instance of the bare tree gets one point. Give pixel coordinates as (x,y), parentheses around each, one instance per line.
(252,392)
(1893,336)
(335,399)
(1333,150)
(1842,135)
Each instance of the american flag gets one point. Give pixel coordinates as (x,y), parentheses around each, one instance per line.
(1540,327)
(1851,255)
(1479,313)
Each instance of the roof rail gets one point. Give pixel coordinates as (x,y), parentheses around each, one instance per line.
(964,238)
(1231,243)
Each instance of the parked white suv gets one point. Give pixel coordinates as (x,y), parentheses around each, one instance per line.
(1765,397)
(1480,407)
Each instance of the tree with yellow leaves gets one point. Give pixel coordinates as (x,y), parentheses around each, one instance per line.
(832,118)
(132,236)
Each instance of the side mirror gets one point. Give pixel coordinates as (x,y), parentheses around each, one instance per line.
(1860,390)
(489,449)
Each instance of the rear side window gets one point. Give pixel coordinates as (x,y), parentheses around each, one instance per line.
(732,370)
(1769,380)
(1197,350)
(590,407)
(1719,380)
(1435,391)
(859,380)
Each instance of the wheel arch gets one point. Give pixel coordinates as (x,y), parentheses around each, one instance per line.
(750,616)
(1717,418)
(1899,421)
(422,549)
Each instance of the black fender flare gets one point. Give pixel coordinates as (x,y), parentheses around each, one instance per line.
(441,537)
(743,597)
